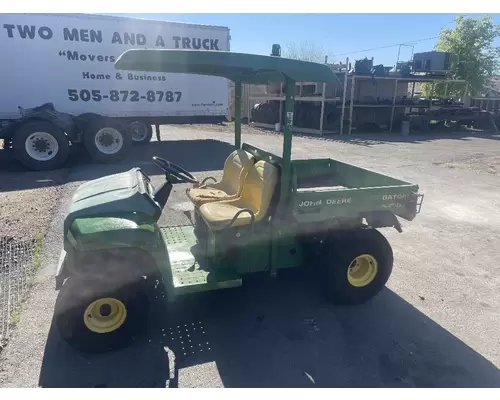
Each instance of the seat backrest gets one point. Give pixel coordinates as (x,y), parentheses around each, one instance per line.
(235,169)
(258,188)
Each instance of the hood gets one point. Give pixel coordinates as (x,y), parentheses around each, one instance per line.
(126,195)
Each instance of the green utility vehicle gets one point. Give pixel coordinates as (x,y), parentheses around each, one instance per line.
(267,213)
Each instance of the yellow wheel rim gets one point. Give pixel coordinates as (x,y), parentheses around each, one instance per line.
(105,315)
(362,270)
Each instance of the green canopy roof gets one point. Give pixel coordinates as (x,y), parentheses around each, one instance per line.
(247,68)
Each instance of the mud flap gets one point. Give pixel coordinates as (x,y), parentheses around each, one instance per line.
(380,219)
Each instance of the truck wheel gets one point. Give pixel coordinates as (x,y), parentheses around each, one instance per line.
(357,266)
(141,132)
(94,319)
(40,145)
(107,141)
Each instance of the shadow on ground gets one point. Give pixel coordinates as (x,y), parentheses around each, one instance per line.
(193,155)
(280,334)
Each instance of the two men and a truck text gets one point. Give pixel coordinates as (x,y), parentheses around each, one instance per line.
(60,89)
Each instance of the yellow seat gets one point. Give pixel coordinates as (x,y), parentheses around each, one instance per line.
(235,168)
(258,188)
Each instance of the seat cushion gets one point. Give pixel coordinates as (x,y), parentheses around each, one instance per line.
(235,169)
(218,215)
(201,196)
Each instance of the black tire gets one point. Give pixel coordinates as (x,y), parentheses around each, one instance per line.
(73,301)
(141,132)
(24,133)
(341,250)
(109,127)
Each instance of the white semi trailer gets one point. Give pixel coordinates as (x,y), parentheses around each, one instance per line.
(59,88)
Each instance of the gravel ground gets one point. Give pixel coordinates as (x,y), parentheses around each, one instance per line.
(436,324)
(26,211)
(28,202)
(479,163)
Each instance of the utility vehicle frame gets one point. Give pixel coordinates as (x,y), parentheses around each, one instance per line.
(267,213)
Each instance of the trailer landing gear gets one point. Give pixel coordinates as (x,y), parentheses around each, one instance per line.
(157,129)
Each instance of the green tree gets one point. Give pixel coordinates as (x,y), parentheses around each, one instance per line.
(475,58)
(306,51)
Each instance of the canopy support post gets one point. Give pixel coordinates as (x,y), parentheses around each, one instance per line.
(278,223)
(287,136)
(237,114)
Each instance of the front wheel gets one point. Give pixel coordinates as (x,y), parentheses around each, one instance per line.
(107,141)
(93,318)
(357,265)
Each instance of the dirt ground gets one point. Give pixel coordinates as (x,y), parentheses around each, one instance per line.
(436,324)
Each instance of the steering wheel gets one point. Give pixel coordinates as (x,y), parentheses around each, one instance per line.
(174,173)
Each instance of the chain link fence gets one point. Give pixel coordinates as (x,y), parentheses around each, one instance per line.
(18,263)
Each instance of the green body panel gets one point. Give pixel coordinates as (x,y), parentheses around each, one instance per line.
(289,251)
(90,226)
(100,233)
(238,67)
(124,195)
(115,211)
(87,234)
(261,154)
(250,250)
(326,189)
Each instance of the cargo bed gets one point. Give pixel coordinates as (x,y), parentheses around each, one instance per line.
(325,187)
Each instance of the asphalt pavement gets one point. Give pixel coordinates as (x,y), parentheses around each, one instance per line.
(437,324)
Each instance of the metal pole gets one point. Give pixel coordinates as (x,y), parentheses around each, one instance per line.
(393,104)
(322,110)
(412,94)
(399,51)
(344,96)
(249,109)
(281,106)
(445,89)
(237,114)
(353,80)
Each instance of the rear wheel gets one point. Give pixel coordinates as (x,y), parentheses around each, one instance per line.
(141,132)
(40,145)
(107,141)
(357,265)
(93,318)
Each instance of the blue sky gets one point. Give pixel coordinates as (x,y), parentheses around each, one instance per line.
(337,34)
